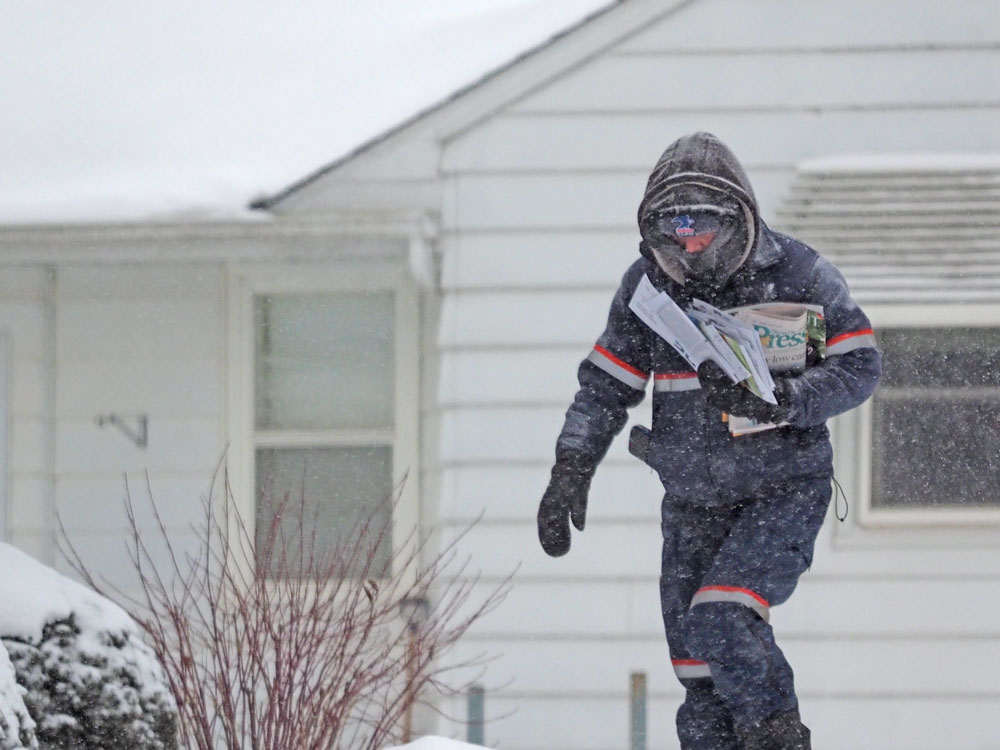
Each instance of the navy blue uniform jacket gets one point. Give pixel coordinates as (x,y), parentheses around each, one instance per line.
(691,449)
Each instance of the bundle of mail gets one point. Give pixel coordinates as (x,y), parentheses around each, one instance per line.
(748,343)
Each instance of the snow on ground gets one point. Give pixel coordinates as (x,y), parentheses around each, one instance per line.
(436,743)
(121,110)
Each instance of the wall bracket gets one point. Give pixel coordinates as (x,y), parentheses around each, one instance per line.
(139,435)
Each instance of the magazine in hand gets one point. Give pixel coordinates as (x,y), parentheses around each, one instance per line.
(748,343)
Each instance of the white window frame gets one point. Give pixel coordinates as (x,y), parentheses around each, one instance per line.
(5,370)
(853,431)
(247,282)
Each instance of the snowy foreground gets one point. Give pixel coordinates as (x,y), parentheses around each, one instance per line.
(95,638)
(436,743)
(74,670)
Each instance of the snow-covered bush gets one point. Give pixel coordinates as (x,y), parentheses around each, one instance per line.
(89,681)
(17,728)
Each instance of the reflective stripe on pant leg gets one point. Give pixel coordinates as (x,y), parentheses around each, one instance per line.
(733,594)
(690,669)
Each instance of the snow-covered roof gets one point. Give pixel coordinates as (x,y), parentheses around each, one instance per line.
(128,111)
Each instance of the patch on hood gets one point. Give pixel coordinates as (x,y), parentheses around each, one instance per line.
(698,169)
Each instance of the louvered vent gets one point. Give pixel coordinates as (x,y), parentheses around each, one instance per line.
(903,229)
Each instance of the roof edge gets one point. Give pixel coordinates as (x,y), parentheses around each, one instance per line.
(267,202)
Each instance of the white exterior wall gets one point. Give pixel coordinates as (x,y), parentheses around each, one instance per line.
(90,340)
(135,339)
(25,319)
(893,633)
(139,321)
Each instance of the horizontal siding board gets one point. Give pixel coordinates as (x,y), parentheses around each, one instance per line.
(509,493)
(175,445)
(149,329)
(780,137)
(183,387)
(820,607)
(924,667)
(517,260)
(500,434)
(605,551)
(546,200)
(622,539)
(670,81)
(789,24)
(104,553)
(524,318)
(91,504)
(565,201)
(509,376)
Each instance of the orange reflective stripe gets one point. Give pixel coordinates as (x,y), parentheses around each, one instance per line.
(735,595)
(617,368)
(850,341)
(676,381)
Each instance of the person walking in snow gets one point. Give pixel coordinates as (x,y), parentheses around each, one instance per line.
(740,515)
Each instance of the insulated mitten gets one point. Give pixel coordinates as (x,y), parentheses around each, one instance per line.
(564,500)
(733,398)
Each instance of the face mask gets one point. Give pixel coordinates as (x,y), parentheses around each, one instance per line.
(707,242)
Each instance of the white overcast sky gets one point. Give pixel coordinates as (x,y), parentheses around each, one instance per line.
(131,109)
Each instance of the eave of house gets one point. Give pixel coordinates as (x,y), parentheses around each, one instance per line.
(260,237)
(409,154)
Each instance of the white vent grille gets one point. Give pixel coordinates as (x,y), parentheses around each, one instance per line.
(903,229)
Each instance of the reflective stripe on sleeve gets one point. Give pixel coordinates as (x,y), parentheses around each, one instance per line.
(847,342)
(690,669)
(618,369)
(734,594)
(676,381)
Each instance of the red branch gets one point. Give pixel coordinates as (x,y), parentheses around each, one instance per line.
(287,645)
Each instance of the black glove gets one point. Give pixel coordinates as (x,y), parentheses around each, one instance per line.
(738,400)
(565,499)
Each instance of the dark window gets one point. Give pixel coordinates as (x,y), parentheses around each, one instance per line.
(936,419)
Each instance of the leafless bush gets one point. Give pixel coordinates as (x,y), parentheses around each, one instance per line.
(294,647)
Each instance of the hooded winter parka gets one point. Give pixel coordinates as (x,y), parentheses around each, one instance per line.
(691,448)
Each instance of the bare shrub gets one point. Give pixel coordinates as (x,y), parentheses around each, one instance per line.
(292,646)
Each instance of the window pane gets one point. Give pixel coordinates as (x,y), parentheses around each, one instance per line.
(324,361)
(936,419)
(945,357)
(936,452)
(331,492)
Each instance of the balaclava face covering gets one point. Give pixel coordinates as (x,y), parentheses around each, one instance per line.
(698,191)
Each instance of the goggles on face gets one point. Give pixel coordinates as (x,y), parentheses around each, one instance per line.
(679,225)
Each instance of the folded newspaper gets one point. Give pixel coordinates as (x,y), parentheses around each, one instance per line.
(748,343)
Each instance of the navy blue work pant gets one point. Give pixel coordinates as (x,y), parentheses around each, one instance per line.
(723,569)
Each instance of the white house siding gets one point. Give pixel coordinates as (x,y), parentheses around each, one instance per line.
(135,339)
(894,631)
(24,318)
